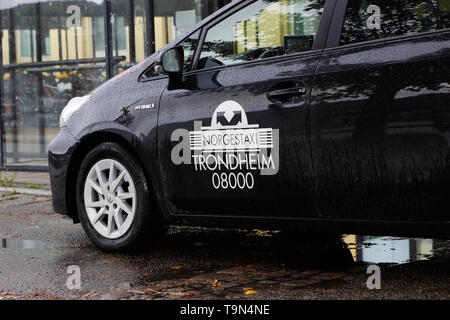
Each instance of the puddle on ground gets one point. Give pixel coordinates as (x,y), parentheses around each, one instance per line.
(389,249)
(22,244)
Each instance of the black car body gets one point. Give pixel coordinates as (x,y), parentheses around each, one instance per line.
(343,131)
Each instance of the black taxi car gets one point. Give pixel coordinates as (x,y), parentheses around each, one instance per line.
(322,116)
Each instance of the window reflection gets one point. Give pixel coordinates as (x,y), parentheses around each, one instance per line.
(175,18)
(262,30)
(390,249)
(397,18)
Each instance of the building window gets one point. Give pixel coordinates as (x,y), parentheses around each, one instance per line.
(27,44)
(119,34)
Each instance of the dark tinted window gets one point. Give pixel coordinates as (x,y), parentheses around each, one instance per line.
(263,29)
(377,19)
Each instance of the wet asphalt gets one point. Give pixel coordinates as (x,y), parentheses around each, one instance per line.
(37,246)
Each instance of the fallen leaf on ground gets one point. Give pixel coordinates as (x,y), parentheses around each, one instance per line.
(152,290)
(249,291)
(216,283)
(175,268)
(107,261)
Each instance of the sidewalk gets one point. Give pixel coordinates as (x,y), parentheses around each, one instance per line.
(32,180)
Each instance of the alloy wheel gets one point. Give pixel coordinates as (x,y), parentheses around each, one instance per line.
(110,198)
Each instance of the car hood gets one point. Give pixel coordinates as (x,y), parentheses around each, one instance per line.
(107,102)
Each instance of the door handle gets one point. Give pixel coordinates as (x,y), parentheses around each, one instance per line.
(286,92)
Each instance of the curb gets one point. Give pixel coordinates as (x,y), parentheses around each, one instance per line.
(34,192)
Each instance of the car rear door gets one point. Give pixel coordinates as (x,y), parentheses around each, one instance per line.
(233,138)
(380,112)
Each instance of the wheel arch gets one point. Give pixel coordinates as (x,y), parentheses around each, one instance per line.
(87,143)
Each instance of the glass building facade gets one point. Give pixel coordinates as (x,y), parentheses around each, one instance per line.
(53,50)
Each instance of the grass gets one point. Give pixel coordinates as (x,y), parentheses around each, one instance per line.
(32,186)
(5,181)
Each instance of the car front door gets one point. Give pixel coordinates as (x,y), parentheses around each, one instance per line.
(233,137)
(380,116)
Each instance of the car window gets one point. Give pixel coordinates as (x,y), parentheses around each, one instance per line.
(263,29)
(378,19)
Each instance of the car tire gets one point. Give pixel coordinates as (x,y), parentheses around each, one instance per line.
(118,214)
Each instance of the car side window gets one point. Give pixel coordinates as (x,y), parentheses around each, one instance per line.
(367,20)
(263,29)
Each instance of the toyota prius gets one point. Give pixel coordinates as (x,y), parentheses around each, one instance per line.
(313,115)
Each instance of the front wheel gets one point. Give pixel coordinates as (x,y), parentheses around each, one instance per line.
(114,203)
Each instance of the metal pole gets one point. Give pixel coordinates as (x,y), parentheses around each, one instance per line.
(150,26)
(32,45)
(12,59)
(132,34)
(67,44)
(76,41)
(116,38)
(108,39)
(93,24)
(166,25)
(205,9)
(2,130)
(40,97)
(60,39)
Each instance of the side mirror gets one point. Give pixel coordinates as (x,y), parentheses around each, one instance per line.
(172,61)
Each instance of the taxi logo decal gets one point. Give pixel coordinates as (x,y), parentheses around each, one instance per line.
(232,118)
(230,131)
(231,148)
